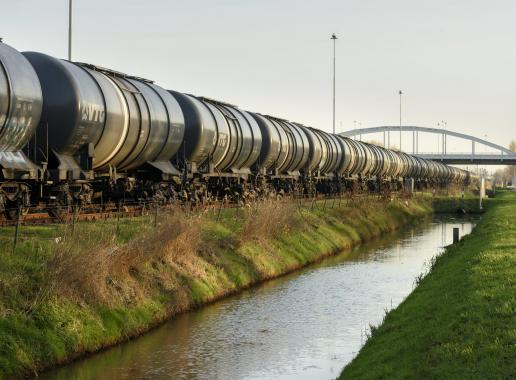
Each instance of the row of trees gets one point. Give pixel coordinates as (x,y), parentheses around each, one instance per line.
(507,174)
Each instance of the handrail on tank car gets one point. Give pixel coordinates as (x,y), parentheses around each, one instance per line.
(214,101)
(112,72)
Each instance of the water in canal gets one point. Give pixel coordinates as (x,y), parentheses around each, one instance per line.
(306,325)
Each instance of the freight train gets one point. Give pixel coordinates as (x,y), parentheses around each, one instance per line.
(74,134)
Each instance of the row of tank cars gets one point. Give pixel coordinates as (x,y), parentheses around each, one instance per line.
(74,133)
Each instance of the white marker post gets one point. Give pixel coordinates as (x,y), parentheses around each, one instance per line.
(482,192)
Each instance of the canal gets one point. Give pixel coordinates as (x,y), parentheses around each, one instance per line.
(306,325)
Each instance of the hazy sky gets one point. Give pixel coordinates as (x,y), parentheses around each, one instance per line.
(454,60)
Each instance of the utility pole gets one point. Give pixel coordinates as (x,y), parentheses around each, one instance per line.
(400,93)
(70,30)
(334,38)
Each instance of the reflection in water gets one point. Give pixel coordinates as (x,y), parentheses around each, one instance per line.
(306,325)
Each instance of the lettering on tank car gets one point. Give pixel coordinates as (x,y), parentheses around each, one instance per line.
(23,107)
(176,130)
(223,140)
(92,112)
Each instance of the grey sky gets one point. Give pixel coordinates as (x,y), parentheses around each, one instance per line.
(455,60)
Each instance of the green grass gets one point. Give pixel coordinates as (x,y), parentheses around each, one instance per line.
(460,321)
(107,299)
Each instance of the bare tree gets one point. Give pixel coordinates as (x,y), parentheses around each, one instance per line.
(507,174)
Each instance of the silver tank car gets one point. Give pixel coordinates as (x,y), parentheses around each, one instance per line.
(20,110)
(325,152)
(218,134)
(275,146)
(335,154)
(378,167)
(348,158)
(127,120)
(360,158)
(318,151)
(299,148)
(293,155)
(247,134)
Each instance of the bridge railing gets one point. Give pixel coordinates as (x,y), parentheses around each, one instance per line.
(470,153)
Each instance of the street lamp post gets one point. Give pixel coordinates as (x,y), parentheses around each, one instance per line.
(438,143)
(334,38)
(400,93)
(445,137)
(443,124)
(70,30)
(359,124)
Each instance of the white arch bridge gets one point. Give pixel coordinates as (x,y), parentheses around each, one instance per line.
(504,157)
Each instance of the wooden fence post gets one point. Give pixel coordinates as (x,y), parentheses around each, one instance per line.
(17,228)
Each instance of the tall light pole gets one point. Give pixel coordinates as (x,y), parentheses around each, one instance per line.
(400,93)
(70,30)
(334,38)
(444,124)
(445,137)
(438,143)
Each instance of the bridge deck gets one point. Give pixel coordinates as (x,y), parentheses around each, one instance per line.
(469,159)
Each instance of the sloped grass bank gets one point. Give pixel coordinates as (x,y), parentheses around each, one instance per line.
(68,291)
(460,321)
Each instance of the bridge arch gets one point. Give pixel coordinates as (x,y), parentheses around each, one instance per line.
(505,157)
(413,128)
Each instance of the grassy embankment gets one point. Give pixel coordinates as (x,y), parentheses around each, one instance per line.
(61,298)
(460,321)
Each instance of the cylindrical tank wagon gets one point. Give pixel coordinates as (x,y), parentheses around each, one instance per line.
(220,139)
(20,106)
(97,123)
(106,118)
(20,110)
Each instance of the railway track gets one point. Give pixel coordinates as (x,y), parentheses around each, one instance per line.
(38,215)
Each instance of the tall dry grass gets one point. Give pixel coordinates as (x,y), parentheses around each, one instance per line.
(268,219)
(82,263)
(93,266)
